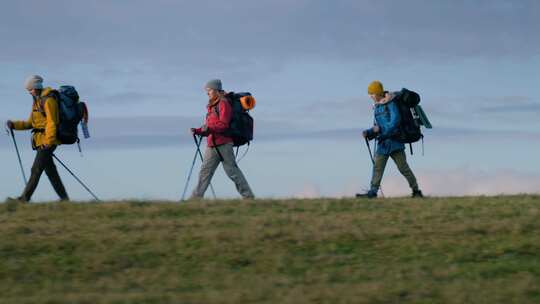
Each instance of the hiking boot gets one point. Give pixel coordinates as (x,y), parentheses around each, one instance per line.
(369,194)
(417,194)
(16,200)
(195,199)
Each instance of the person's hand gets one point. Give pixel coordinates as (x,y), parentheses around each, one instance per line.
(198,131)
(202,131)
(376,129)
(365,133)
(10,125)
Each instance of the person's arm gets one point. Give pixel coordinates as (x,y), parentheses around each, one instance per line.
(51,113)
(222,123)
(23,124)
(393,124)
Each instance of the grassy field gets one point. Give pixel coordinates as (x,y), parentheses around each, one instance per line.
(437,250)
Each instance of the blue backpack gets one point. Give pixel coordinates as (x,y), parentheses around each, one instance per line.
(71,112)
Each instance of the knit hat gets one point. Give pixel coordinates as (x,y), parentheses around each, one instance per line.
(375,88)
(34,82)
(214,84)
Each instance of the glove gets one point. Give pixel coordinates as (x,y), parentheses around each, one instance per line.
(10,125)
(199,131)
(369,134)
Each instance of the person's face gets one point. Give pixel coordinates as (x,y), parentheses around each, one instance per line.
(212,93)
(375,97)
(33,92)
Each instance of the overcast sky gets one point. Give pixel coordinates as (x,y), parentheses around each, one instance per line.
(141,66)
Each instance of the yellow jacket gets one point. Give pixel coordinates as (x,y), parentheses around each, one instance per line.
(43,120)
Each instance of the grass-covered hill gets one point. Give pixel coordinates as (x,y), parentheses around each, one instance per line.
(435,250)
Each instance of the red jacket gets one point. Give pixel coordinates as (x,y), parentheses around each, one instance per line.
(217,124)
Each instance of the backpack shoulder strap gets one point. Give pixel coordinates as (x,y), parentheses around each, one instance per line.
(41,104)
(216,108)
(42,99)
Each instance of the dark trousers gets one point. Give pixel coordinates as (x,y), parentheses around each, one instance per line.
(44,162)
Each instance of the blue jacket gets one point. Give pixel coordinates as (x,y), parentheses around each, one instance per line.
(387,118)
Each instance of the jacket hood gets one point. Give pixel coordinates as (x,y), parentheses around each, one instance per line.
(46,91)
(388,98)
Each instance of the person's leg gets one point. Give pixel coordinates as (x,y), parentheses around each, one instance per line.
(400,158)
(54,177)
(40,162)
(235,174)
(378,171)
(208,168)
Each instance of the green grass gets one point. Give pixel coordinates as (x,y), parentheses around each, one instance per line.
(436,250)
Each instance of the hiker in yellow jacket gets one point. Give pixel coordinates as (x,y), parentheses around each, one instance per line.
(43,122)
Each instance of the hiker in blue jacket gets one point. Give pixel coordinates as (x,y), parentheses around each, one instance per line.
(386,126)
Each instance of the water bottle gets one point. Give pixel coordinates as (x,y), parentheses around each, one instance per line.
(86,133)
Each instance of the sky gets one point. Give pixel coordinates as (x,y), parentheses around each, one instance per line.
(141,67)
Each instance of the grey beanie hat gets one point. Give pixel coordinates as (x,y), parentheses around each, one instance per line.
(34,82)
(214,84)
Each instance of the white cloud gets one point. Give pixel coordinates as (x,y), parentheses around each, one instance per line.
(479,182)
(220,35)
(308,190)
(459,182)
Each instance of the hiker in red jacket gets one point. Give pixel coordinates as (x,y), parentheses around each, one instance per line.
(219,146)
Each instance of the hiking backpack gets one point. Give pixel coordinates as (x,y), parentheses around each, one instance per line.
(241,124)
(412,117)
(71,112)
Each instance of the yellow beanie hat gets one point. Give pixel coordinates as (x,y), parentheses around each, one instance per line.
(375,88)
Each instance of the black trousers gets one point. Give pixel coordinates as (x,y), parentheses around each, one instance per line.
(44,162)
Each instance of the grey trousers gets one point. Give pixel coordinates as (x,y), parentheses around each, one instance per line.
(209,166)
(400,158)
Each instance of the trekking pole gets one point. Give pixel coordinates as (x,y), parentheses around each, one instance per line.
(372,161)
(18,155)
(369,149)
(202,160)
(73,174)
(197,143)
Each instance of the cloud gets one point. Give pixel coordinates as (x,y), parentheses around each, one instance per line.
(158,131)
(459,182)
(308,190)
(133,97)
(525,108)
(217,36)
(498,113)
(151,58)
(478,182)
(486,112)
(506,104)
